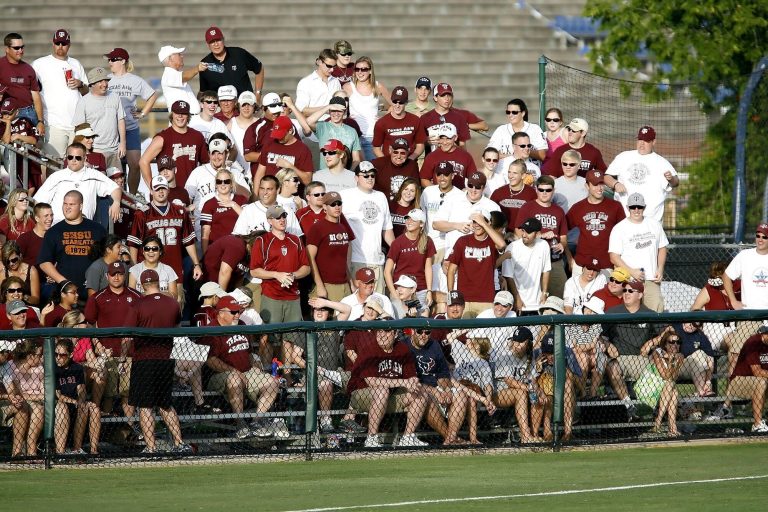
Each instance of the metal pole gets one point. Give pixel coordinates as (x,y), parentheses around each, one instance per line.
(542,89)
(49,414)
(560,376)
(310,412)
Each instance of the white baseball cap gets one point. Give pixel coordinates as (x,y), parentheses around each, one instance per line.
(219,145)
(227,92)
(159,182)
(272,98)
(167,51)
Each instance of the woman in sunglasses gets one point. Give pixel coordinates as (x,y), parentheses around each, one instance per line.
(220,212)
(153,249)
(288,194)
(668,360)
(364,95)
(12,289)
(555,134)
(17,218)
(517,115)
(86,136)
(14,266)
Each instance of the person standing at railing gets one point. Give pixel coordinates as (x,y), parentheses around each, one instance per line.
(19,130)
(62,82)
(21,82)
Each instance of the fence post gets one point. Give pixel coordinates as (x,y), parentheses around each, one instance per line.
(49,413)
(310,413)
(560,375)
(542,89)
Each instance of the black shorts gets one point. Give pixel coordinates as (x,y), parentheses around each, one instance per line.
(151,383)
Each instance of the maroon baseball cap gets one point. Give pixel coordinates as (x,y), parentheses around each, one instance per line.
(8,105)
(61,36)
(637,285)
(149,276)
(445,167)
(595,177)
(117,53)
(646,133)
(400,93)
(456,297)
(334,145)
(594,264)
(180,107)
(213,34)
(280,127)
(229,303)
(115,267)
(443,88)
(331,197)
(165,162)
(477,179)
(400,143)
(762,228)
(366,275)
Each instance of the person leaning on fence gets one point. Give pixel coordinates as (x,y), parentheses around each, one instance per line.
(14,411)
(512,373)
(750,376)
(238,372)
(384,380)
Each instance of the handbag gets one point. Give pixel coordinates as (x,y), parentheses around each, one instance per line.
(649,385)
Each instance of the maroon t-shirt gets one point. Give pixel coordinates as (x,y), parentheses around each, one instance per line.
(233,349)
(154,310)
(595,223)
(23,126)
(19,227)
(229,249)
(398,212)
(180,194)
(286,255)
(30,244)
(20,79)
(476,260)
(375,362)
(332,240)
(54,318)
(109,309)
(552,218)
(172,227)
(307,218)
(254,137)
(344,74)
(609,299)
(357,341)
(387,129)
(463,165)
(297,153)
(221,218)
(125,221)
(511,202)
(188,150)
(591,158)
(754,352)
(404,253)
(432,118)
(97,161)
(440,336)
(389,177)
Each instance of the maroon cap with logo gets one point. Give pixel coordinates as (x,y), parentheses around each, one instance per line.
(646,133)
(400,93)
(213,34)
(61,36)
(180,107)
(149,276)
(443,88)
(366,275)
(117,53)
(165,162)
(115,267)
(229,303)
(477,179)
(595,177)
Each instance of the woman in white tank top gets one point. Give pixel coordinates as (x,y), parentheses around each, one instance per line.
(238,125)
(364,95)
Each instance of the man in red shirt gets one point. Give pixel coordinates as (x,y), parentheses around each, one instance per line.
(512,197)
(594,217)
(226,260)
(279,259)
(750,376)
(472,264)
(258,133)
(170,223)
(611,293)
(21,82)
(284,150)
(109,308)
(398,124)
(237,371)
(152,368)
(441,114)
(31,241)
(328,250)
(185,145)
(383,370)
(314,211)
(394,168)
(448,150)
(591,157)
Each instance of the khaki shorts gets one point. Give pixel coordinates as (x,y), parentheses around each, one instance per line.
(335,292)
(746,387)
(695,364)
(377,271)
(118,383)
(632,366)
(472,309)
(652,298)
(362,399)
(256,293)
(735,339)
(255,380)
(7,412)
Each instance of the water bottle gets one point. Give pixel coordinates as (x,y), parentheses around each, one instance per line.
(554,256)
(215,67)
(532,396)
(734,431)
(333,442)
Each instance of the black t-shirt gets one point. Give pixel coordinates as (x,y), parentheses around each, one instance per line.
(67,379)
(629,338)
(237,63)
(67,247)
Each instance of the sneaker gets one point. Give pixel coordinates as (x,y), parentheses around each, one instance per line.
(631,411)
(722,413)
(372,441)
(280,429)
(760,428)
(260,428)
(327,428)
(352,427)
(244,431)
(205,409)
(147,451)
(411,441)
(136,432)
(79,451)
(183,448)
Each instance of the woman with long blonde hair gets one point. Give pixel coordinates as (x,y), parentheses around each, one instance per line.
(364,95)
(412,253)
(17,218)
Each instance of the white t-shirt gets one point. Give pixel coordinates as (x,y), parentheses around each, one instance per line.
(357,306)
(368,215)
(165,272)
(639,244)
(88,181)
(752,268)
(531,168)
(59,101)
(431,201)
(128,87)
(312,91)
(201,184)
(289,204)
(501,138)
(208,128)
(488,313)
(643,174)
(335,182)
(458,209)
(254,216)
(575,295)
(176,89)
(526,268)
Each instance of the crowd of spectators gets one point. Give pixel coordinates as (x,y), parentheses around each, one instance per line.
(350,202)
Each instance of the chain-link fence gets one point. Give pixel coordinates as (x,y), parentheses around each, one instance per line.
(378,387)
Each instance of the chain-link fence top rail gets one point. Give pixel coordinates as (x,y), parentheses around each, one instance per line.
(615,109)
(377,388)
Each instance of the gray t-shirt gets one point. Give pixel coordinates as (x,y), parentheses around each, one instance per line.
(329,348)
(509,365)
(568,193)
(96,276)
(128,88)
(629,338)
(335,182)
(103,114)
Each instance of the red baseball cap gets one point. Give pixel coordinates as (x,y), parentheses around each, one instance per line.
(180,107)
(280,127)
(61,36)
(213,34)
(646,133)
(366,275)
(595,177)
(762,228)
(334,145)
(443,88)
(149,276)
(116,267)
(229,303)
(117,53)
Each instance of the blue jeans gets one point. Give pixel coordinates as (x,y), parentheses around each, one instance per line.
(29,113)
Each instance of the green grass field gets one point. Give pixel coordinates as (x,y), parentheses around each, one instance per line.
(378,483)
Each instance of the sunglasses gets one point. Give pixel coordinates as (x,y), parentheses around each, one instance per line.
(566,164)
(572,130)
(545,190)
(13,260)
(524,146)
(637,207)
(335,204)
(81,323)
(629,290)
(151,248)
(275,105)
(614,280)
(26,199)
(423,331)
(761,236)
(329,66)
(317,194)
(295,179)
(673,342)
(74,157)
(17,48)
(475,187)
(489,160)
(398,102)
(362,70)
(346,54)
(223,182)
(399,152)
(281,216)
(61,44)
(14,290)
(211,102)
(367,176)
(552,119)
(62,354)
(115,59)
(328,153)
(512,112)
